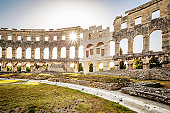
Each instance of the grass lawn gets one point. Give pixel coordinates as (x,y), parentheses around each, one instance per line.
(166,84)
(9,81)
(40,97)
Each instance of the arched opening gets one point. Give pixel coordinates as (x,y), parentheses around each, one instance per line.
(9,52)
(100,34)
(9,67)
(28,67)
(100,66)
(156,40)
(19,67)
(72,65)
(138,44)
(91,67)
(80,67)
(54,53)
(124,46)
(138,64)
(72,52)
(122,65)
(111,65)
(90,36)
(46,53)
(37,53)
(19,53)
(99,50)
(28,53)
(81,51)
(89,50)
(155,62)
(0,52)
(111,48)
(63,52)
(45,67)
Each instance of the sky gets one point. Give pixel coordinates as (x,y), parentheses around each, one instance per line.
(53,14)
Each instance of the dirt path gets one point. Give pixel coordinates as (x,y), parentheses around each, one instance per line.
(135,103)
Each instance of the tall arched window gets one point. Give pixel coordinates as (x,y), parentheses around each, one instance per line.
(138,44)
(54,53)
(156,40)
(124,45)
(37,53)
(28,53)
(72,52)
(81,51)
(63,52)
(46,53)
(19,53)
(9,52)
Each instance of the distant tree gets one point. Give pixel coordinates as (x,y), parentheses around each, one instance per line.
(121,51)
(28,69)
(138,64)
(155,62)
(9,68)
(91,67)
(122,65)
(80,67)
(19,68)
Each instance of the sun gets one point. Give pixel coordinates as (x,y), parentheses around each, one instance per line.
(73,36)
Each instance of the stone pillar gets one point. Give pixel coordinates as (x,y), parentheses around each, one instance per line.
(117,48)
(32,53)
(67,53)
(146,43)
(42,53)
(23,53)
(165,60)
(117,64)
(130,64)
(130,46)
(76,67)
(59,53)
(105,66)
(94,66)
(165,40)
(50,53)
(3,52)
(146,63)
(85,67)
(76,52)
(3,67)
(13,52)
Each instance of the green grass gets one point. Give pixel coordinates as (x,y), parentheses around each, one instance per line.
(9,81)
(166,84)
(33,97)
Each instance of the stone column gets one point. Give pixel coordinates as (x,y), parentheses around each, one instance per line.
(3,52)
(130,64)
(3,67)
(23,53)
(32,53)
(94,66)
(117,47)
(146,63)
(76,52)
(13,52)
(145,43)
(130,46)
(165,40)
(105,66)
(42,53)
(59,53)
(50,53)
(85,67)
(67,53)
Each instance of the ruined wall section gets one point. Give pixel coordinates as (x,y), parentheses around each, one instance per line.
(42,44)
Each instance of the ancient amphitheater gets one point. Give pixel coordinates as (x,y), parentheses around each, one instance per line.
(64,49)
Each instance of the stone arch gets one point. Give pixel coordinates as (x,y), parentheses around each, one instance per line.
(100,44)
(124,45)
(28,53)
(72,52)
(63,52)
(37,53)
(137,43)
(9,66)
(155,38)
(9,52)
(54,53)
(46,53)
(111,48)
(89,46)
(19,53)
(0,52)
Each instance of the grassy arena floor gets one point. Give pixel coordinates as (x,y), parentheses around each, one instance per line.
(32,97)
